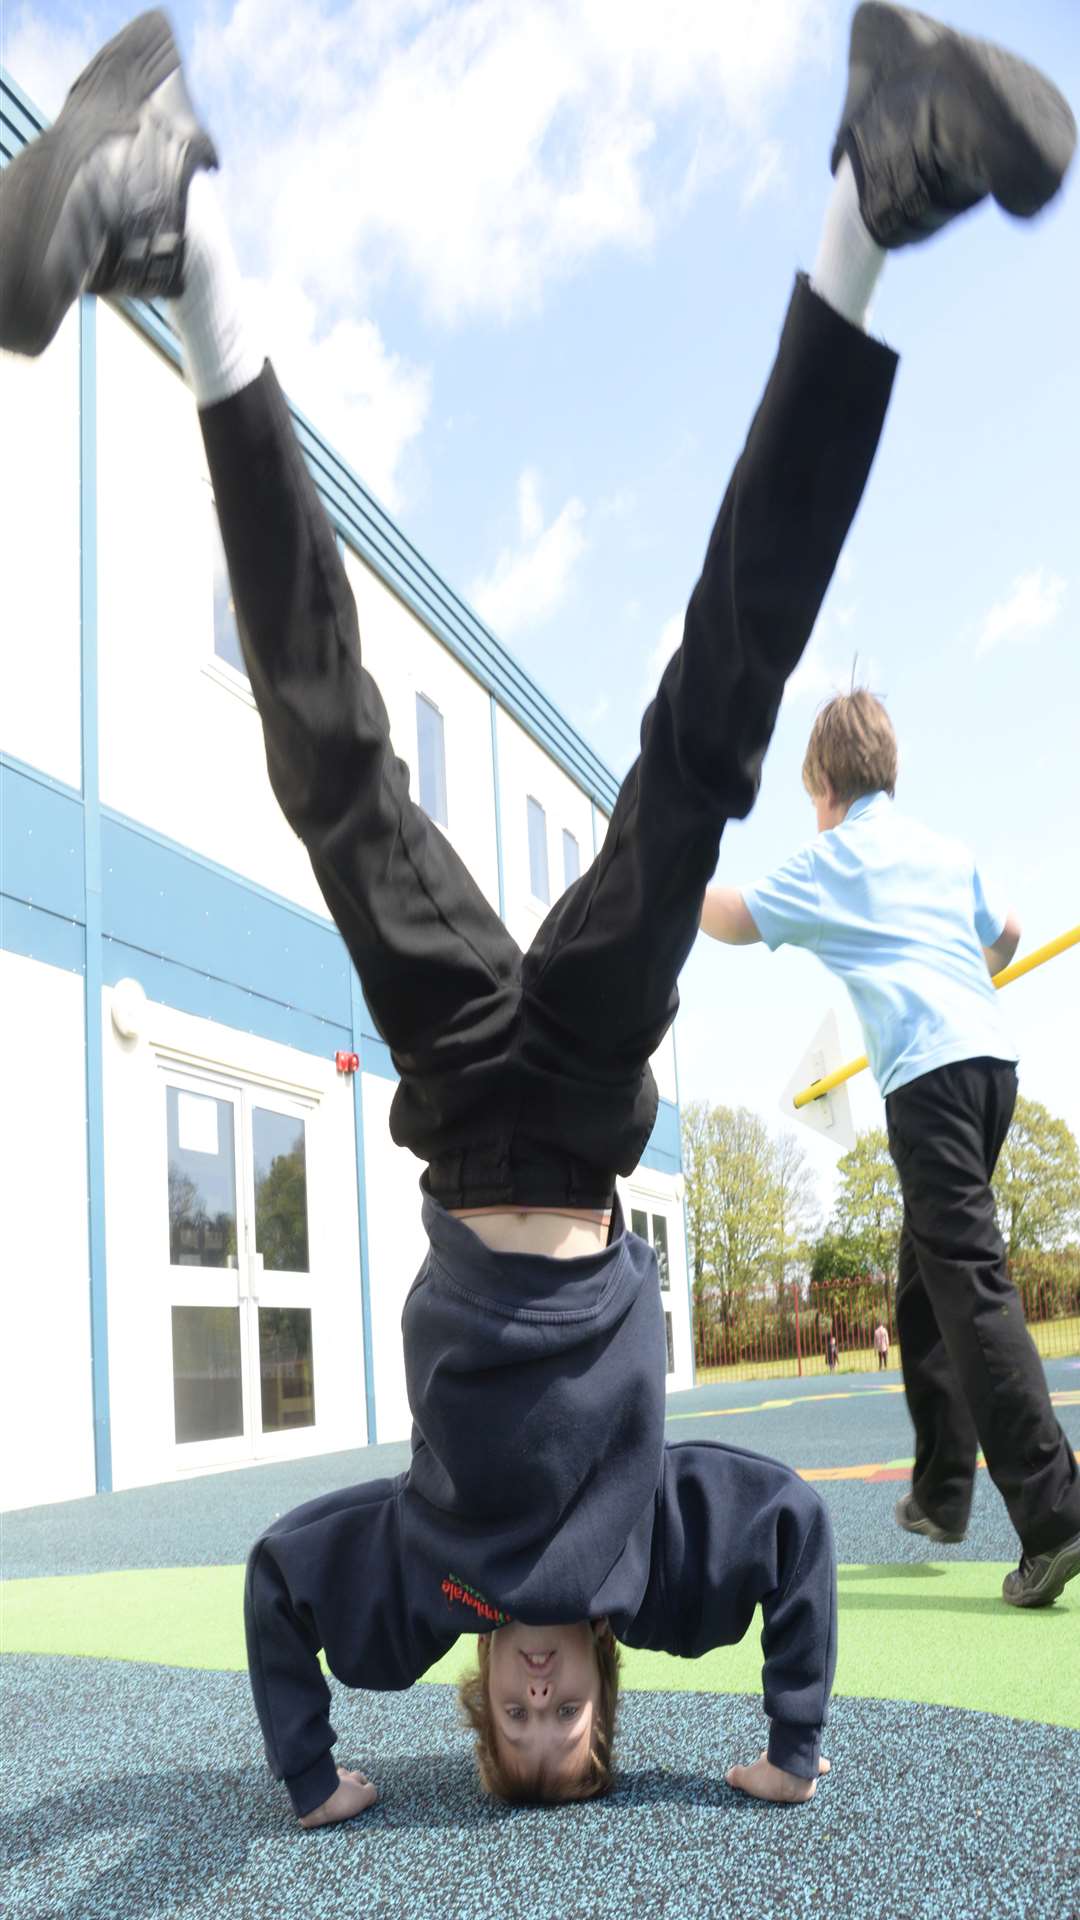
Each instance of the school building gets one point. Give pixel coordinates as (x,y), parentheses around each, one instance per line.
(208,1234)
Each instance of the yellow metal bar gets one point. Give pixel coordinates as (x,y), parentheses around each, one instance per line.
(819,1088)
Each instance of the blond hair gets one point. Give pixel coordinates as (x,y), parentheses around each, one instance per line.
(498,1779)
(852,746)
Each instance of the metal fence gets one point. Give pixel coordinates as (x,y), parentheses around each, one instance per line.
(786,1332)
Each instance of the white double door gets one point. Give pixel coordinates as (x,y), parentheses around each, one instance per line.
(244,1301)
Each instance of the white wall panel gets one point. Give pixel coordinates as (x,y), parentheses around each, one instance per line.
(46,1407)
(180,752)
(525,770)
(40,694)
(662,1193)
(397,1245)
(405,659)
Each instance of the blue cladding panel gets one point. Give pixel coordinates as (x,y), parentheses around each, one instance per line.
(664,1151)
(41,844)
(38,935)
(159,899)
(377,1058)
(191,991)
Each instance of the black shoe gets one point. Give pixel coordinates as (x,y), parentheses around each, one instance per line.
(1040,1577)
(935,121)
(911,1517)
(96,204)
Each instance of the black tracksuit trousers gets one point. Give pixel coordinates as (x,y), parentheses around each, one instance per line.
(971,1371)
(525,1077)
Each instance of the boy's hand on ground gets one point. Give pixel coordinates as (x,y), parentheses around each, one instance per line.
(353,1793)
(763,1781)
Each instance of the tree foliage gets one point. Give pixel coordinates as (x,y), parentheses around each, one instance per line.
(1037,1182)
(751,1201)
(869,1207)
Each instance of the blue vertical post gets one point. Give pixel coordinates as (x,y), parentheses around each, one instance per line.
(361,1201)
(498,802)
(95,1113)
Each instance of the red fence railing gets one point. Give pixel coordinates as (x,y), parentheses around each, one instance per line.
(787,1332)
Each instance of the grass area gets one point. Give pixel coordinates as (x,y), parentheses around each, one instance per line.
(1055,1340)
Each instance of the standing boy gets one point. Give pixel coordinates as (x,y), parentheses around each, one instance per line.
(541,1508)
(899,913)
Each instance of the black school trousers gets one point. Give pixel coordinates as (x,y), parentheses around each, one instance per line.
(524,1077)
(972,1374)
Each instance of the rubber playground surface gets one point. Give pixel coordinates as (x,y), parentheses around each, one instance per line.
(133,1781)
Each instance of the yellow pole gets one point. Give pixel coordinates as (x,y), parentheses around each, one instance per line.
(819,1088)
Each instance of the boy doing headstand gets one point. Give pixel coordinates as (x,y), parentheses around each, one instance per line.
(900,914)
(541,1510)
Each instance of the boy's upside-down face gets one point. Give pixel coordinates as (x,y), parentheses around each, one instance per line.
(543,1687)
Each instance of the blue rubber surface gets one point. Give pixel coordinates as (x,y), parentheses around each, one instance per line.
(141,1790)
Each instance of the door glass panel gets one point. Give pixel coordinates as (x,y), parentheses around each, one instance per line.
(202,1180)
(639,1223)
(288,1380)
(659,1240)
(670,1343)
(207,1391)
(281,1234)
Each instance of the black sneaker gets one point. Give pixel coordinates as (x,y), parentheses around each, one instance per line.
(935,121)
(96,204)
(1040,1577)
(911,1517)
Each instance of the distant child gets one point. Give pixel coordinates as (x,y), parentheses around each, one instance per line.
(832,1352)
(541,1511)
(881,1345)
(899,913)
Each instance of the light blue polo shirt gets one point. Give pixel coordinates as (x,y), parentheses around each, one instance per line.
(900,914)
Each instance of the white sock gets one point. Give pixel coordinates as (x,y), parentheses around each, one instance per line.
(219,359)
(849,261)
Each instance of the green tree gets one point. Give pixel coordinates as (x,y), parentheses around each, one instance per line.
(751,1201)
(281,1214)
(798,1209)
(1037,1181)
(869,1208)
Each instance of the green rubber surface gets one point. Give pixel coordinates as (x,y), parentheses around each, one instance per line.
(923,1630)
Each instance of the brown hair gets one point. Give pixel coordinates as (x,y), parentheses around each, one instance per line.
(497,1778)
(852,746)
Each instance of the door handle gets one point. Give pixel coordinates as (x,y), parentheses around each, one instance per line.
(255,1268)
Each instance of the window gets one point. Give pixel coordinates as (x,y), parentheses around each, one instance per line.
(655,1233)
(226,633)
(431,748)
(538,860)
(571,858)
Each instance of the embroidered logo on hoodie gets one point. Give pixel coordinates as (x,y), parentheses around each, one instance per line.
(467,1596)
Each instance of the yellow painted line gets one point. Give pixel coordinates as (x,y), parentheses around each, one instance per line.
(768,1406)
(1065,1397)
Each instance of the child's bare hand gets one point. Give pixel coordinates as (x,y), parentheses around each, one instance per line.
(763,1781)
(352,1794)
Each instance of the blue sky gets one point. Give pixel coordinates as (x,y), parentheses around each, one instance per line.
(525,263)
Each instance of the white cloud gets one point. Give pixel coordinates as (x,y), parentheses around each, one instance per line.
(486,147)
(670,637)
(1033,605)
(528,583)
(767,173)
(370,402)
(44,58)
